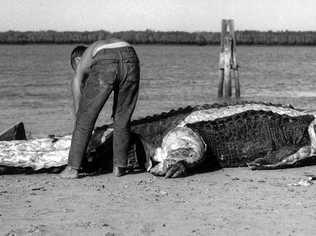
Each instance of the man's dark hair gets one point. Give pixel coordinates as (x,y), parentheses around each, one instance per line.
(76,52)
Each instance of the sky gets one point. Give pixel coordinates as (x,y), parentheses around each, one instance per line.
(163,15)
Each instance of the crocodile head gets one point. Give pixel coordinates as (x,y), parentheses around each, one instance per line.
(181,144)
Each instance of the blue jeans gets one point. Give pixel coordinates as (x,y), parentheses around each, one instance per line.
(113,70)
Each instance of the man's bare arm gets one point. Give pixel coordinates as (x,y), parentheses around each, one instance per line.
(80,75)
(76,91)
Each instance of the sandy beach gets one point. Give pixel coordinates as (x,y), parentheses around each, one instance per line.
(232,201)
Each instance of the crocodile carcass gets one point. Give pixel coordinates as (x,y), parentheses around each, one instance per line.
(258,135)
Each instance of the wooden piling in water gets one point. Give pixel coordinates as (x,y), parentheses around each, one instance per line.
(228,67)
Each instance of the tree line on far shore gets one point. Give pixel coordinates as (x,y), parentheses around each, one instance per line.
(159,37)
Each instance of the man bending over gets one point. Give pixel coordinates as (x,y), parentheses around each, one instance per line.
(103,67)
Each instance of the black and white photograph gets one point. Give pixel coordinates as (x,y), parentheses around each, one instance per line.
(158,117)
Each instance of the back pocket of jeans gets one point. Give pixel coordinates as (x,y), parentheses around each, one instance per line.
(100,76)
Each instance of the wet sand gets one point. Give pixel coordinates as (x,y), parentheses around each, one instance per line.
(232,201)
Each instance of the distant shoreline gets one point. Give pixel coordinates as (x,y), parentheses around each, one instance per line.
(264,38)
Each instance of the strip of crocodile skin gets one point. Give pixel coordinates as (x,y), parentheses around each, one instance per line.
(37,153)
(215,113)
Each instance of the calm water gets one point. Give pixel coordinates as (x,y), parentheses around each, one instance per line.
(35,81)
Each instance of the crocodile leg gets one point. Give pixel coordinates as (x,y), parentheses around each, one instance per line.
(304,154)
